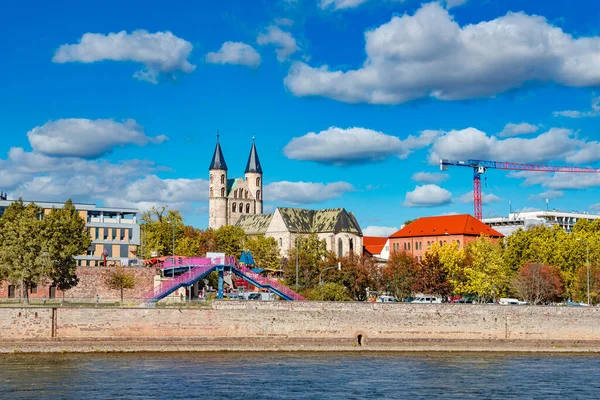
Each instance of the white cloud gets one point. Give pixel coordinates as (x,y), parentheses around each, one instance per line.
(587,154)
(558,181)
(471,143)
(379,231)
(429,177)
(78,137)
(283,41)
(340,146)
(160,52)
(594,112)
(486,198)
(549,194)
(297,193)
(454,3)
(428,196)
(428,54)
(235,53)
(595,207)
(340,4)
(518,129)
(284,21)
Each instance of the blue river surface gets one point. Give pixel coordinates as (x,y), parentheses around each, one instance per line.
(300,376)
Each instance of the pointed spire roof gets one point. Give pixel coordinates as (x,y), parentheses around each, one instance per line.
(253,164)
(218,161)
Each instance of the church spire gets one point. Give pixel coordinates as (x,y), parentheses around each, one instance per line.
(253,164)
(218,161)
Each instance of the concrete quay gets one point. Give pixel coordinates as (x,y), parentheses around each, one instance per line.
(302,326)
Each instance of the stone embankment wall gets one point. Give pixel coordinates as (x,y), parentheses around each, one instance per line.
(305,322)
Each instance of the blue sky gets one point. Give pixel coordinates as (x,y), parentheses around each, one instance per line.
(352,102)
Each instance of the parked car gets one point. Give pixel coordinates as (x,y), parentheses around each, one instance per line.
(509,301)
(254,296)
(427,299)
(386,299)
(463,300)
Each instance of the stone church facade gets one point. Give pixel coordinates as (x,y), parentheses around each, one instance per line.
(230,199)
(239,202)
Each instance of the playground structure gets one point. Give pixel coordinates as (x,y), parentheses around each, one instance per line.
(185,272)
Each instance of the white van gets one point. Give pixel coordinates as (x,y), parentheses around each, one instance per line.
(427,299)
(386,299)
(508,301)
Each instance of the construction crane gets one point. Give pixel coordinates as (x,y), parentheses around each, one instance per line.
(480,167)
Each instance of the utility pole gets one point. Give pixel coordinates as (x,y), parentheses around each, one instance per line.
(297,234)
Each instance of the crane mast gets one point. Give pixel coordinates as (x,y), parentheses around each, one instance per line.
(481,166)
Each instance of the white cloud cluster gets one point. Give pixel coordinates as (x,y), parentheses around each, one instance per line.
(428,54)
(428,196)
(548,194)
(594,112)
(429,177)
(379,231)
(486,198)
(339,146)
(523,128)
(471,143)
(79,137)
(284,42)
(160,52)
(560,180)
(235,53)
(340,4)
(298,193)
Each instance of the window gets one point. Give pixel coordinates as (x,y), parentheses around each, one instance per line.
(248,208)
(97,233)
(405,246)
(280,242)
(11,291)
(105,233)
(122,234)
(114,233)
(124,250)
(458,242)
(87,263)
(408,245)
(428,244)
(258,181)
(258,195)
(33,289)
(211,192)
(233,207)
(211,178)
(340,248)
(441,244)
(222,192)
(108,250)
(222,179)
(351,246)
(241,208)
(235,194)
(246,194)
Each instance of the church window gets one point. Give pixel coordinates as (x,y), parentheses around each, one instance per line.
(233,207)
(235,194)
(211,178)
(246,194)
(340,248)
(280,242)
(404,245)
(241,208)
(222,178)
(222,192)
(351,246)
(258,195)
(257,181)
(248,208)
(408,246)
(211,192)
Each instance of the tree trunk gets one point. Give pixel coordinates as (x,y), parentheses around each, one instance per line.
(121,294)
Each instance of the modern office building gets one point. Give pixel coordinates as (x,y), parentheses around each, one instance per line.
(115,232)
(565,220)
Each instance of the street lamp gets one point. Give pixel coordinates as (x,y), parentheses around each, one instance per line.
(587,252)
(338,267)
(297,235)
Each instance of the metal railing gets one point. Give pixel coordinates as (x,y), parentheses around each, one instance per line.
(273,283)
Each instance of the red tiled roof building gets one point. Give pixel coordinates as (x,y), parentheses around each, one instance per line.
(416,237)
(374,245)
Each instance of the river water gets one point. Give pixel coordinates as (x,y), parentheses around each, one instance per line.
(300,376)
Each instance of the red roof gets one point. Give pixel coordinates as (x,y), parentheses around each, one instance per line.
(374,244)
(463,224)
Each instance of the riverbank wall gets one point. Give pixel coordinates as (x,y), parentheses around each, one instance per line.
(294,326)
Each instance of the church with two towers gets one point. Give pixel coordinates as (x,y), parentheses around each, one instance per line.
(230,199)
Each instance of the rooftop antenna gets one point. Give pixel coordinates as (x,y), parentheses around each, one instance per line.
(547,206)
(218,136)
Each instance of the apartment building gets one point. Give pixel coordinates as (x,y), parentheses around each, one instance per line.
(525,220)
(115,232)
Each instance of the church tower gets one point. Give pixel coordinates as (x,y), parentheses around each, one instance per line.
(253,175)
(217,203)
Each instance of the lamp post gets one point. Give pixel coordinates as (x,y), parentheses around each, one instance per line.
(297,234)
(587,258)
(338,267)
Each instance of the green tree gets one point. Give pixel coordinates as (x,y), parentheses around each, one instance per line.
(158,226)
(119,279)
(64,236)
(399,274)
(329,291)
(21,250)
(487,275)
(312,258)
(580,287)
(230,240)
(432,276)
(357,274)
(265,251)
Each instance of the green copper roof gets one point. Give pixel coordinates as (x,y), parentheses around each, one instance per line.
(328,220)
(254,224)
